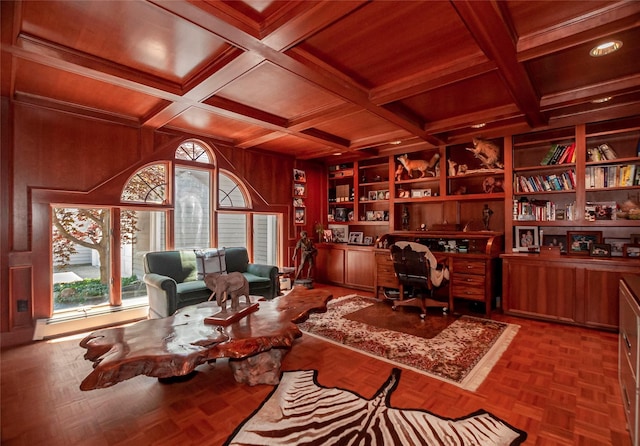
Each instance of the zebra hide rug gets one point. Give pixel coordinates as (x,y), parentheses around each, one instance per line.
(301,412)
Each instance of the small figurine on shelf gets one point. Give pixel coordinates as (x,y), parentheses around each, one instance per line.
(308,253)
(487,152)
(486,216)
(399,171)
(405,218)
(421,166)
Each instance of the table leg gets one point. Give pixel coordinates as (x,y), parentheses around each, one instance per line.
(261,368)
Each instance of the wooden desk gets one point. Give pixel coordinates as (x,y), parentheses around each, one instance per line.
(474,275)
(174,346)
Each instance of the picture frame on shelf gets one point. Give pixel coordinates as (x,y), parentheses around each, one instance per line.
(631,250)
(370,216)
(368,240)
(373,195)
(617,245)
(555,240)
(340,214)
(600,250)
(339,233)
(299,190)
(300,216)
(327,236)
(420,193)
(526,238)
(356,238)
(298,203)
(299,176)
(579,242)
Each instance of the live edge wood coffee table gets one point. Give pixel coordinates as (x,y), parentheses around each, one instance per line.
(174,346)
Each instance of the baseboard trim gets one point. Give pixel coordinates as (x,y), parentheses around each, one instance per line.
(52,327)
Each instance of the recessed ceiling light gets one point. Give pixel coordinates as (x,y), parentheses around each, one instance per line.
(479,126)
(601,100)
(395,143)
(605,48)
(337,154)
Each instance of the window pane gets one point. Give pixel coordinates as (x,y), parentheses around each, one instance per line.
(265,239)
(229,192)
(81,258)
(232,229)
(192,210)
(142,231)
(148,185)
(192,151)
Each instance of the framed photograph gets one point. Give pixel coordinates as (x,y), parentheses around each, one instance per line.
(419,193)
(373,195)
(327,236)
(298,203)
(340,214)
(300,216)
(383,195)
(616,245)
(371,216)
(299,176)
(299,190)
(356,238)
(368,240)
(579,242)
(600,250)
(339,233)
(631,250)
(526,238)
(555,240)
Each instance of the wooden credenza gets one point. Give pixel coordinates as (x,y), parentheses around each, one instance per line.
(346,265)
(474,275)
(569,289)
(629,351)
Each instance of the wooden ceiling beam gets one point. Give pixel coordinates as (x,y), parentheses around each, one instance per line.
(312,73)
(494,36)
(431,79)
(590,92)
(611,19)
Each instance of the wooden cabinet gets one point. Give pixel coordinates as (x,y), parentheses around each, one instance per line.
(474,274)
(385,276)
(629,351)
(346,265)
(573,290)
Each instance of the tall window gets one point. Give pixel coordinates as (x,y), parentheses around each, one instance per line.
(192,215)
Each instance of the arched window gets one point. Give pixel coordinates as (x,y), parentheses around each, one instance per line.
(147,185)
(231,194)
(193,151)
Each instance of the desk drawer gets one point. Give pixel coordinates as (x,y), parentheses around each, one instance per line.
(468,286)
(387,280)
(464,266)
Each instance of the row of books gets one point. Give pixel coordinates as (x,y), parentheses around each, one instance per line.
(542,210)
(560,154)
(544,183)
(603,152)
(621,175)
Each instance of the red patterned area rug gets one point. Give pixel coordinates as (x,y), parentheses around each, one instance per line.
(462,353)
(299,411)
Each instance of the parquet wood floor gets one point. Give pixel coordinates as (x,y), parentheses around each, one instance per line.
(558,383)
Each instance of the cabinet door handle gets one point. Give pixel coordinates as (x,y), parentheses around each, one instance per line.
(627,401)
(627,343)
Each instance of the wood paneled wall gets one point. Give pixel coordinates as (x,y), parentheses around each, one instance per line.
(49,156)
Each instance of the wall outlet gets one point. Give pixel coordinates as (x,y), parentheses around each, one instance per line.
(23,305)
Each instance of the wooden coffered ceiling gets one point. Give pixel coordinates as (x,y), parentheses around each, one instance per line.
(311,79)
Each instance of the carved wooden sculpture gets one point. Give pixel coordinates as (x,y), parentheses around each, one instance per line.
(174,346)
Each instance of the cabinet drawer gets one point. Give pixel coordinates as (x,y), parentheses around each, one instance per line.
(468,291)
(629,399)
(387,280)
(629,330)
(464,266)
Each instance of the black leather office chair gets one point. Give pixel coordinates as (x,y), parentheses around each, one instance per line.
(419,274)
